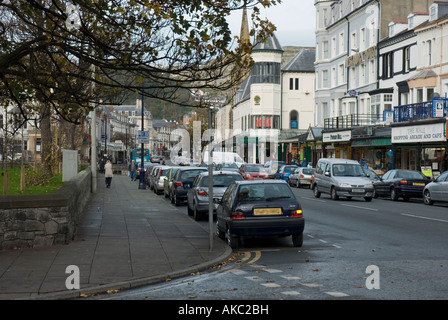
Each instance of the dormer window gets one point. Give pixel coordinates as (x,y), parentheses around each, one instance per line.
(433,12)
(391,29)
(411,21)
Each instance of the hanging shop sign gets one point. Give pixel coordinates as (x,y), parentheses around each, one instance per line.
(337,136)
(427,133)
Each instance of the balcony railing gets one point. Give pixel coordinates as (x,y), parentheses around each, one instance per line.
(352,120)
(416,111)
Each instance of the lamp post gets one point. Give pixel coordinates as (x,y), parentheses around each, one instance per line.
(142,184)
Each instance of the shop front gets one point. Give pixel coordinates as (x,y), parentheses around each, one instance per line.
(372,145)
(421,146)
(336,144)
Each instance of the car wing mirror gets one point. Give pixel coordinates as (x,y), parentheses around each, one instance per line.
(327,173)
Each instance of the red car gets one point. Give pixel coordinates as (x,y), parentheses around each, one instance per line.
(251,171)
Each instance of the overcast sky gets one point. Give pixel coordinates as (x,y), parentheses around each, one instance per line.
(295,21)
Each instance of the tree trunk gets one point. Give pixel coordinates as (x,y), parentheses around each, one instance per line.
(46,139)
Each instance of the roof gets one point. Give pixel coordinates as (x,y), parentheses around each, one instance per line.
(269,44)
(302,62)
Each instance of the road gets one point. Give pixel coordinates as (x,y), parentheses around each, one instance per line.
(352,250)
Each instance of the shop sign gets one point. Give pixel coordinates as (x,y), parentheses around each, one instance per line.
(337,136)
(427,133)
(438,107)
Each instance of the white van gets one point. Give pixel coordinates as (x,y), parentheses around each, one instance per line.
(224,157)
(341,177)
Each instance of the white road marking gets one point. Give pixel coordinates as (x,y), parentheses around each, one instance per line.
(337,294)
(291,293)
(420,217)
(358,207)
(271,285)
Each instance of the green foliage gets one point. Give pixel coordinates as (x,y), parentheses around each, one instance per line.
(36,182)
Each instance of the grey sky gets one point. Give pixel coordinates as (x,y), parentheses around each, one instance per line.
(295,21)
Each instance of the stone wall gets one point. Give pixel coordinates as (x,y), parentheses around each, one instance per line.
(44,220)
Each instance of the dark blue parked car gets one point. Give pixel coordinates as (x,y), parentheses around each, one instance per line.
(259,208)
(182,182)
(284,172)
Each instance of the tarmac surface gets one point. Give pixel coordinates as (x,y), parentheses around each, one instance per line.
(128,237)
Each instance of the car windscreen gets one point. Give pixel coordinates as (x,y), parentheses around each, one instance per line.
(308,171)
(348,170)
(189,174)
(221,180)
(410,175)
(164,172)
(264,192)
(259,168)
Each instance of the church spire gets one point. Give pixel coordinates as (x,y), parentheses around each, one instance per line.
(244,34)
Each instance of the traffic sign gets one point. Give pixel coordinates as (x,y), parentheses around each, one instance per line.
(143,137)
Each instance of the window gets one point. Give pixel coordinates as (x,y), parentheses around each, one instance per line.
(294,119)
(341,74)
(38,145)
(325,79)
(293,83)
(407,59)
(341,43)
(266,72)
(429,52)
(325,53)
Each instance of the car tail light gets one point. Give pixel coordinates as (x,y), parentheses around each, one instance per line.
(284,173)
(302,176)
(178,183)
(297,214)
(237,216)
(403,182)
(202,193)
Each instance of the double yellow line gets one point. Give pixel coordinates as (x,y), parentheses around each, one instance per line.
(246,260)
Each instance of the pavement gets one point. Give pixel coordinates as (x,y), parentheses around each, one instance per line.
(129,237)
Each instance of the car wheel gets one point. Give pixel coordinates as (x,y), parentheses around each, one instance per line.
(219,233)
(316,192)
(196,215)
(297,240)
(427,198)
(393,194)
(333,194)
(232,240)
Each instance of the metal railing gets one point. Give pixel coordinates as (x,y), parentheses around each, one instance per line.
(414,111)
(352,120)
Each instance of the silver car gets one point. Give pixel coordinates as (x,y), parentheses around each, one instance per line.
(158,177)
(436,190)
(197,196)
(301,176)
(341,177)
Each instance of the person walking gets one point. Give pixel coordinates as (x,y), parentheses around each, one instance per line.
(108,173)
(133,170)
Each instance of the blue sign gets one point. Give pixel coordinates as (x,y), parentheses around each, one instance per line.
(438,108)
(388,116)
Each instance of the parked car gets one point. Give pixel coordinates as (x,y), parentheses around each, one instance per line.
(402,183)
(198,195)
(259,208)
(152,172)
(284,171)
(182,181)
(301,176)
(271,167)
(251,171)
(228,166)
(159,178)
(341,177)
(169,180)
(437,190)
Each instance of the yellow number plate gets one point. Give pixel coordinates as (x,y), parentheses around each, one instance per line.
(267,211)
(418,184)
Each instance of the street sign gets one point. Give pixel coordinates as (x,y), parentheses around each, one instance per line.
(143,137)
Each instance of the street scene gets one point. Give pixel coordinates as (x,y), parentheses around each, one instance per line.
(251,151)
